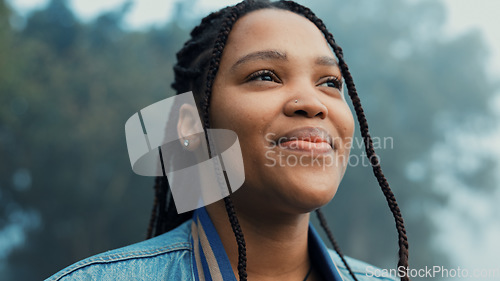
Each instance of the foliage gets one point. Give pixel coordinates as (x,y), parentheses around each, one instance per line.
(67,88)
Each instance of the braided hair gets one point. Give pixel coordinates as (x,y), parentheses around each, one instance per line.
(197,65)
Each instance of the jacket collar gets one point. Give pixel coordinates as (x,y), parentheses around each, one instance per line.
(211,262)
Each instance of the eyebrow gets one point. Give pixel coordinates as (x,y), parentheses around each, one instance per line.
(328,61)
(261,55)
(278,55)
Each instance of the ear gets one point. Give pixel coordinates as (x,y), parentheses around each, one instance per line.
(189,126)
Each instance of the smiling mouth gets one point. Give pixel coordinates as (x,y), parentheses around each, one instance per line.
(307,139)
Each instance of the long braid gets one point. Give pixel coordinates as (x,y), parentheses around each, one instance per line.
(154,211)
(335,245)
(160,223)
(377,170)
(217,50)
(164,219)
(215,59)
(240,239)
(187,72)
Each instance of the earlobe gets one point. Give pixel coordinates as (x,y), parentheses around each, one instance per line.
(188,127)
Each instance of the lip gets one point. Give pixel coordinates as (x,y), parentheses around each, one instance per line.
(309,139)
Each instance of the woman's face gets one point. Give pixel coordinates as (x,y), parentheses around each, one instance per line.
(278,88)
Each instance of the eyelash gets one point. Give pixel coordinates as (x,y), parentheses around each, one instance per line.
(336,82)
(262,73)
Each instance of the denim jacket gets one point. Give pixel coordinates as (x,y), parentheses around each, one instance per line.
(182,254)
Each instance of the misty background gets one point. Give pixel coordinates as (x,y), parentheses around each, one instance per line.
(68,83)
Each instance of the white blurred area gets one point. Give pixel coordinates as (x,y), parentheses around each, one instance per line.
(463,15)
(471,246)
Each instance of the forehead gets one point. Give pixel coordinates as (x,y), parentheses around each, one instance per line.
(276,29)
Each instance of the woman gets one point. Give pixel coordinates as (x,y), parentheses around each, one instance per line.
(267,72)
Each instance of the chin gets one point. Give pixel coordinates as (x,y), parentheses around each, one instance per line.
(311,202)
(292,190)
(311,193)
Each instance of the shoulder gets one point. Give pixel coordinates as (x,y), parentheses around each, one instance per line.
(362,270)
(161,257)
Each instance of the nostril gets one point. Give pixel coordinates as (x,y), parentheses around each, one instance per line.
(304,113)
(301,112)
(320,114)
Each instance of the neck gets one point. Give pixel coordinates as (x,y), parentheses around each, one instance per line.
(276,243)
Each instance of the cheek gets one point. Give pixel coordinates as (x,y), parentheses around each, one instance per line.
(245,113)
(343,120)
(348,129)
(233,116)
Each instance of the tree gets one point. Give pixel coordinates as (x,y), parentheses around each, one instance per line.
(56,25)
(81,186)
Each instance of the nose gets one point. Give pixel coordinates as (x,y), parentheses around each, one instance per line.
(306,104)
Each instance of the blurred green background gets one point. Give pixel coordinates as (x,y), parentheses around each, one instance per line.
(68,86)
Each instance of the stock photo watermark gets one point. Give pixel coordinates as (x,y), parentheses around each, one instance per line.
(322,151)
(435,271)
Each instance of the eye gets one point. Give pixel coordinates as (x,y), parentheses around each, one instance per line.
(263,75)
(332,82)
